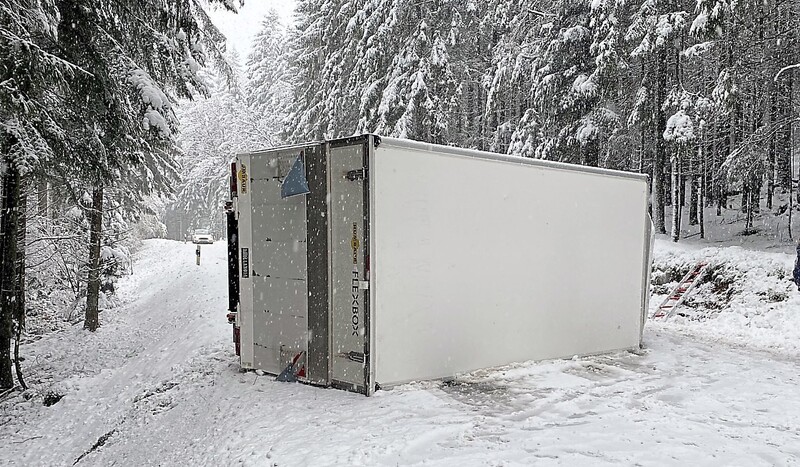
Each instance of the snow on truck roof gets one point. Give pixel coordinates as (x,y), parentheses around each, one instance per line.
(457,151)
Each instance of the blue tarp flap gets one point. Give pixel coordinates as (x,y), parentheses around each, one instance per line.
(295,182)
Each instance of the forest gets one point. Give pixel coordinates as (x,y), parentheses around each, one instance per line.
(118,119)
(696,94)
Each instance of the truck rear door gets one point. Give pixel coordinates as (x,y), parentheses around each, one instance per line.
(347,171)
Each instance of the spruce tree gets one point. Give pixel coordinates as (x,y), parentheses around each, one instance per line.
(269,84)
(124,121)
(30,130)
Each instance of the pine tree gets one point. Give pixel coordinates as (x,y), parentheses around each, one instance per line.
(312,40)
(513,124)
(654,33)
(123,120)
(593,83)
(269,85)
(381,66)
(30,129)
(417,89)
(576,77)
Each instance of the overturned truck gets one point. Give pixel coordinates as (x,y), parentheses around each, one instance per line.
(368,262)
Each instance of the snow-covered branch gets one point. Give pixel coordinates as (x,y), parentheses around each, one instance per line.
(13,38)
(786,68)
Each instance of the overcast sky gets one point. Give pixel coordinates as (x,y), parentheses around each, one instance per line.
(240,28)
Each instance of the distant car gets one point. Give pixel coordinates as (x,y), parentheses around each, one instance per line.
(202,236)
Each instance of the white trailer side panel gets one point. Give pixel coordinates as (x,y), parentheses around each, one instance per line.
(480,262)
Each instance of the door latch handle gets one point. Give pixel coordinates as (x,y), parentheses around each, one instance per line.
(353,175)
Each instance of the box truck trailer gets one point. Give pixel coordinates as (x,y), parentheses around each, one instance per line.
(368,262)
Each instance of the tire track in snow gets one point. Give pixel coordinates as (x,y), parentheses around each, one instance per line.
(173,309)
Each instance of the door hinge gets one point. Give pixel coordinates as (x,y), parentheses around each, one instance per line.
(357,174)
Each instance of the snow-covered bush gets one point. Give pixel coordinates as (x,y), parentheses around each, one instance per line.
(57,268)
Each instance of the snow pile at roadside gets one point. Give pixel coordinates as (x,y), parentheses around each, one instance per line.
(746,299)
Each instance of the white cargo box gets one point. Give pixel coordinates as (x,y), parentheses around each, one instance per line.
(409,261)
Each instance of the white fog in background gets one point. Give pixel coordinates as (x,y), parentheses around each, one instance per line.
(240,28)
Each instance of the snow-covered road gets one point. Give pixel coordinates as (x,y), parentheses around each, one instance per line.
(159,382)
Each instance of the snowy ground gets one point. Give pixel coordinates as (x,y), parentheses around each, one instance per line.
(159,385)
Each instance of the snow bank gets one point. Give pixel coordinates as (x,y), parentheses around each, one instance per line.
(747,299)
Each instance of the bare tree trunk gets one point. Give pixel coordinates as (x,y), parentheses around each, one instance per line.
(755,192)
(676,205)
(641,149)
(722,194)
(770,177)
(771,166)
(747,206)
(659,158)
(791,208)
(8,270)
(790,126)
(701,195)
(658,193)
(784,137)
(92,320)
(19,302)
(694,191)
(591,154)
(668,185)
(745,194)
(41,197)
(694,180)
(713,155)
(791,175)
